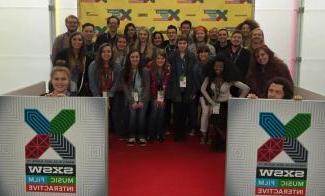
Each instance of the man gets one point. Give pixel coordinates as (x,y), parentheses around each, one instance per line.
(62,41)
(182,89)
(238,54)
(170,48)
(223,42)
(213,36)
(278,88)
(185,28)
(171,42)
(88,31)
(113,24)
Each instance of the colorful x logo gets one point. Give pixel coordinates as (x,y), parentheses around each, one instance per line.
(217,15)
(284,137)
(121,14)
(168,14)
(49,134)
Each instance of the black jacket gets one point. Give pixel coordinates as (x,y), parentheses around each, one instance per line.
(176,93)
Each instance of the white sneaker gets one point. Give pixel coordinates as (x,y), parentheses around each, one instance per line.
(192,133)
(131,141)
(203,140)
(142,141)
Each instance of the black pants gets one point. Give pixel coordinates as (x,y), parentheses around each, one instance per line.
(168,114)
(183,118)
(119,114)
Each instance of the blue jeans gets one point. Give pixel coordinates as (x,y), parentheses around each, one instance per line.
(157,119)
(137,121)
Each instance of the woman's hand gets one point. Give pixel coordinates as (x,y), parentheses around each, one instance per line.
(140,104)
(134,105)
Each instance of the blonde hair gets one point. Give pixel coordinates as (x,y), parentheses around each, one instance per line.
(60,69)
(257,29)
(149,50)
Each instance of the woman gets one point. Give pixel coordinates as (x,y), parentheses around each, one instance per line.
(246,27)
(60,81)
(103,75)
(159,78)
(120,51)
(144,45)
(182,88)
(200,37)
(137,90)
(257,39)
(130,32)
(120,101)
(216,92)
(158,40)
(200,72)
(264,67)
(75,60)
(104,78)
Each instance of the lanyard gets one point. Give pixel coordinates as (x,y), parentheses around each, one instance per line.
(183,66)
(134,78)
(235,56)
(159,79)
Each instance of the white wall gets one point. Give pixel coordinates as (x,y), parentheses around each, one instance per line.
(313,42)
(24,43)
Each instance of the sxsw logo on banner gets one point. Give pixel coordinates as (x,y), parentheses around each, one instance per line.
(190,1)
(50,175)
(215,15)
(142,1)
(237,1)
(167,15)
(93,1)
(91,14)
(121,14)
(273,178)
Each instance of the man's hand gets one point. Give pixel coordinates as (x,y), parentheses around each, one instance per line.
(252,96)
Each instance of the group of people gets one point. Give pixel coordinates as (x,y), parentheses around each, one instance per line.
(153,84)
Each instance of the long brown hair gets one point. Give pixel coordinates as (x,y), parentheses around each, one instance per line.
(274,63)
(98,59)
(251,23)
(127,73)
(162,53)
(81,58)
(100,63)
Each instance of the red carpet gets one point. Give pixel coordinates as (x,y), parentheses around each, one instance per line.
(168,169)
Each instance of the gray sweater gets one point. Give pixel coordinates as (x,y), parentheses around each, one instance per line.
(144,95)
(94,80)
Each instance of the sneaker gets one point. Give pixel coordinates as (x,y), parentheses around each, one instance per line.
(209,142)
(142,141)
(203,140)
(161,139)
(123,139)
(131,141)
(150,139)
(192,132)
